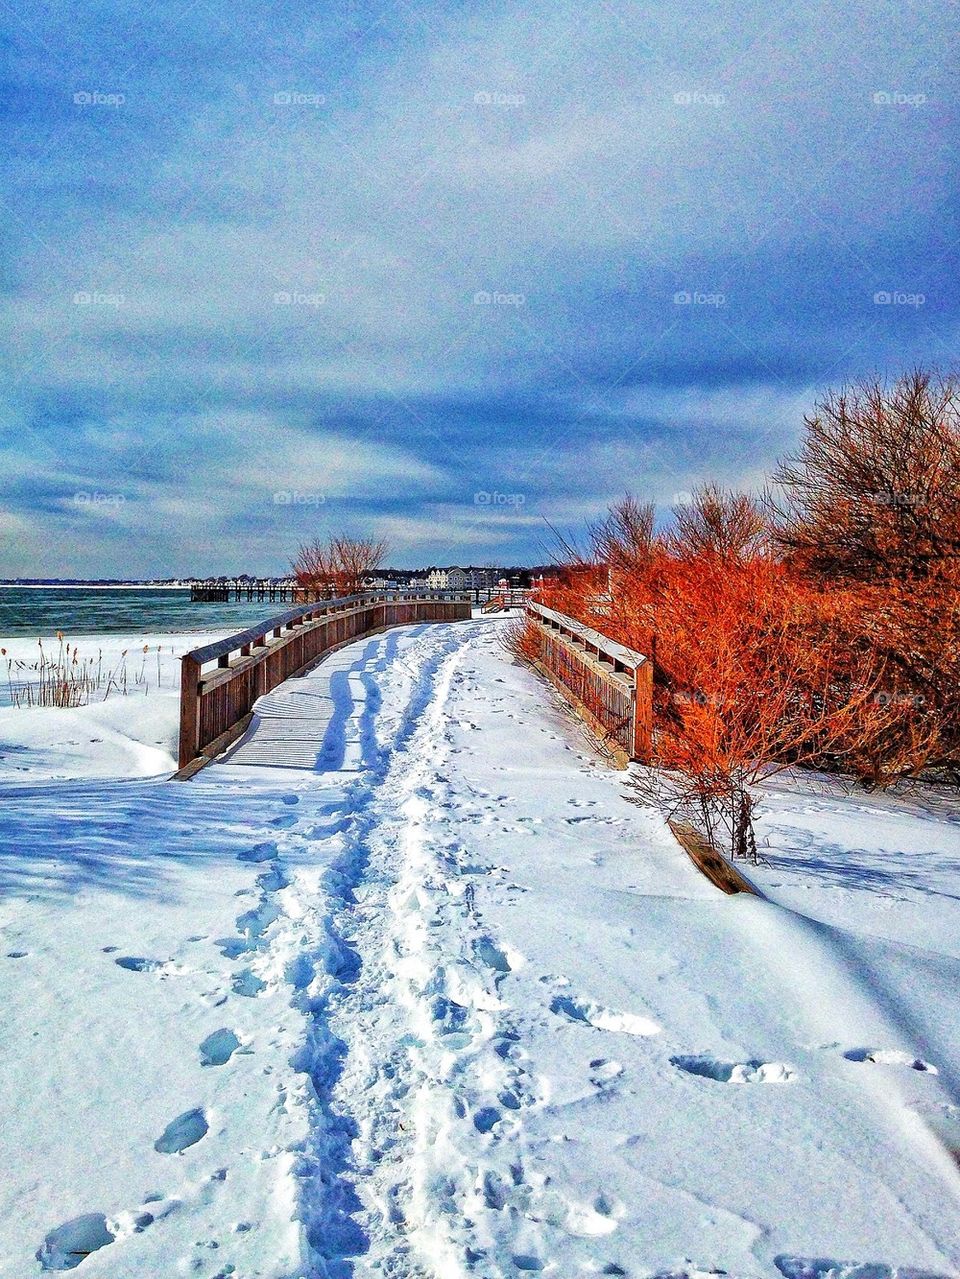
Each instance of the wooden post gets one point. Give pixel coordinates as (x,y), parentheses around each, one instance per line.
(189,709)
(643,712)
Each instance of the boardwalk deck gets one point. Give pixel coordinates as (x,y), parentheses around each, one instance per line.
(297,724)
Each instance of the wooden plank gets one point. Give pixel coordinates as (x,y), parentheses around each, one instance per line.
(711,863)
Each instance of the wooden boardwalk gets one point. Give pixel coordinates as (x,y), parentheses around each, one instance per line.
(248,710)
(296,724)
(219,704)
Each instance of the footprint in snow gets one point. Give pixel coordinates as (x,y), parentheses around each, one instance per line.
(504,1043)
(604,1070)
(592,1014)
(181,1133)
(233,947)
(825,1268)
(735,1072)
(890,1057)
(248,984)
(74,1241)
(218,1048)
(590,1221)
(137,964)
(502,959)
(68,1245)
(259,853)
(495,1191)
(485,1118)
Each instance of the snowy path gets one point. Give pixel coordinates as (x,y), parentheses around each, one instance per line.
(444,1004)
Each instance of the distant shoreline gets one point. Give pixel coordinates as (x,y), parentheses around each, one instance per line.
(89,586)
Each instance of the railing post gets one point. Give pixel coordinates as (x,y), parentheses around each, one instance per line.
(643,712)
(189,709)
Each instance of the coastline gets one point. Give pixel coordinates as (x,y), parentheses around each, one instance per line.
(82,586)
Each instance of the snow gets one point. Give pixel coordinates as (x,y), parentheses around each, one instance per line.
(449,1004)
(131,735)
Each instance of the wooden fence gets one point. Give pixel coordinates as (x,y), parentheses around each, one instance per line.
(216,704)
(609,685)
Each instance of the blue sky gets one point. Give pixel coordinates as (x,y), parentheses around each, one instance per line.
(444,273)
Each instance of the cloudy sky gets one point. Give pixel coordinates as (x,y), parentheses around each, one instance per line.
(443,271)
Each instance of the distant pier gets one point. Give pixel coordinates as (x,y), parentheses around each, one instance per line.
(223,591)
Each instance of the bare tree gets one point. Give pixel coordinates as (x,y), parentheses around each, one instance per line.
(873,493)
(721,523)
(870,505)
(338,565)
(624,539)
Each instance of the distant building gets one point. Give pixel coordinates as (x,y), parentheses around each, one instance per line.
(455,578)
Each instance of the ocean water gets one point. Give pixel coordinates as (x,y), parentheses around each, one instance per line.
(43,611)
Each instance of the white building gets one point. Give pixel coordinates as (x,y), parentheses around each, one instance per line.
(455,578)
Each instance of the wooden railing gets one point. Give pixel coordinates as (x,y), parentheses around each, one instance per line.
(216,704)
(609,685)
(496,601)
